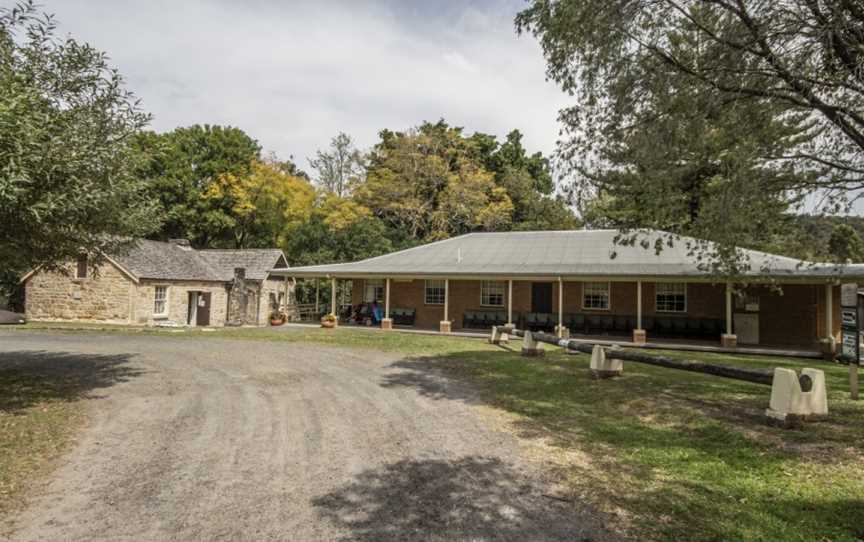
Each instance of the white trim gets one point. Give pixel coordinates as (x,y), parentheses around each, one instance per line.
(686,302)
(503,294)
(608,296)
(165,301)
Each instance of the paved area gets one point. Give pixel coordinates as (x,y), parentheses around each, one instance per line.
(197,439)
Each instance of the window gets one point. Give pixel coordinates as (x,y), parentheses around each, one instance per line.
(434,292)
(491,293)
(595,295)
(374,291)
(671,297)
(81,271)
(160,300)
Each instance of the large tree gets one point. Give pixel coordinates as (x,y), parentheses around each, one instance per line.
(743,74)
(67,180)
(183,165)
(339,168)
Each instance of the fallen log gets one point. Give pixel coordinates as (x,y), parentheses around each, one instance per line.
(747,374)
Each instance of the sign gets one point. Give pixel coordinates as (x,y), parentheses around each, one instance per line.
(849,325)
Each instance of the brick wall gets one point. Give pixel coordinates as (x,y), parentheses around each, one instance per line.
(105,296)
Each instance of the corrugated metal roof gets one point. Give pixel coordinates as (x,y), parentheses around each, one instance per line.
(168,261)
(561,253)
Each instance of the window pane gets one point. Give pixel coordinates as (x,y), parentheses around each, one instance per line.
(492,293)
(374,291)
(595,295)
(159,299)
(434,292)
(81,272)
(671,297)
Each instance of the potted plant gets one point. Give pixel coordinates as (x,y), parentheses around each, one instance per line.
(328,320)
(277,318)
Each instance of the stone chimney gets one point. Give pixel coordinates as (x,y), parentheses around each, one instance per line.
(182,243)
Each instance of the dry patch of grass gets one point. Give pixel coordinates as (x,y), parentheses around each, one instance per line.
(41,409)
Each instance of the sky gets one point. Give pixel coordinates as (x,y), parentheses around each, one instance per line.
(292,74)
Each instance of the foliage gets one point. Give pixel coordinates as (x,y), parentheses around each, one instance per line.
(340,168)
(67,180)
(706,117)
(261,206)
(432,182)
(845,245)
(181,167)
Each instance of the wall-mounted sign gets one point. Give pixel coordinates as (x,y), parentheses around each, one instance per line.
(849,325)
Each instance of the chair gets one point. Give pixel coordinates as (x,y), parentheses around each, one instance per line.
(621,324)
(694,327)
(531,321)
(679,327)
(576,323)
(648,323)
(664,326)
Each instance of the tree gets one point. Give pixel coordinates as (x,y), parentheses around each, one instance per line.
(428,184)
(846,245)
(801,55)
(67,181)
(261,206)
(683,123)
(181,167)
(339,169)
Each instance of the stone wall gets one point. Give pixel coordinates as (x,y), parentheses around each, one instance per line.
(104,296)
(178,301)
(276,287)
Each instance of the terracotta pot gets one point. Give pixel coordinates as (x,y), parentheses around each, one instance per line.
(275,322)
(329,324)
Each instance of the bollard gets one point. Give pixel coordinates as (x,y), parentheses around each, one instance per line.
(499,336)
(530,347)
(790,404)
(601,367)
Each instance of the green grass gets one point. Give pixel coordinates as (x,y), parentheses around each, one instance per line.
(667,455)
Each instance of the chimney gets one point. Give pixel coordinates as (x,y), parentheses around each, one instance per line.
(239,273)
(182,243)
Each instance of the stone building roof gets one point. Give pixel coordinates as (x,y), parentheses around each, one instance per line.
(173,261)
(575,253)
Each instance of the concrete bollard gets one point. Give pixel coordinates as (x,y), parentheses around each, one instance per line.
(601,367)
(530,347)
(499,336)
(790,404)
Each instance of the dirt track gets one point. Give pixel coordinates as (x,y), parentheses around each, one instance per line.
(195,439)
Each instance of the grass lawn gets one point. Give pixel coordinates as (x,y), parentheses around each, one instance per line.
(667,455)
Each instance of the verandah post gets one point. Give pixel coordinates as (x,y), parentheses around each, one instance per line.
(510,302)
(333,296)
(387,322)
(560,329)
(444,326)
(639,334)
(728,339)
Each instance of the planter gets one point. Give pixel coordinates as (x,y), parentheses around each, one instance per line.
(329,324)
(276,322)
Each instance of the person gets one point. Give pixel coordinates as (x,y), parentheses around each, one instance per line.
(376,313)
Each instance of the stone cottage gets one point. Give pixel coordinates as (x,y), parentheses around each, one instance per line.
(158,283)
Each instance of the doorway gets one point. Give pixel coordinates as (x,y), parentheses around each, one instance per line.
(199,309)
(541,297)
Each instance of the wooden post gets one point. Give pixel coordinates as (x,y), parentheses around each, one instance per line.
(446,299)
(829,310)
(560,307)
(317,296)
(387,298)
(853,381)
(510,301)
(728,309)
(638,304)
(333,296)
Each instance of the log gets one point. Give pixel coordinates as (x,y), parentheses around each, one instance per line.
(747,374)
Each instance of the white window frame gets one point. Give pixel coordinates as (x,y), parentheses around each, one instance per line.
(658,293)
(486,291)
(608,292)
(377,286)
(164,300)
(437,288)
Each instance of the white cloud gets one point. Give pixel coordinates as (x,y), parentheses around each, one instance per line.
(293,75)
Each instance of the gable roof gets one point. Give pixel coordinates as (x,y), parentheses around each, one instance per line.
(169,261)
(586,253)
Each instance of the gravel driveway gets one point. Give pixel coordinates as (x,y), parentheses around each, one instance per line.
(197,439)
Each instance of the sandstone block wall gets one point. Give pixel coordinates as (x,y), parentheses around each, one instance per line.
(104,296)
(178,301)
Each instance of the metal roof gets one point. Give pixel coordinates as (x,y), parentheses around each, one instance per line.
(586,253)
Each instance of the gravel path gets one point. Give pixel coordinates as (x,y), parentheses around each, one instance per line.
(196,439)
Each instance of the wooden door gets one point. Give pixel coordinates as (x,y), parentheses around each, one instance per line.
(203,316)
(541,297)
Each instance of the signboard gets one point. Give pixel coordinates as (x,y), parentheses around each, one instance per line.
(849,325)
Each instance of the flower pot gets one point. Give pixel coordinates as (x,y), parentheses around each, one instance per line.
(276,321)
(329,324)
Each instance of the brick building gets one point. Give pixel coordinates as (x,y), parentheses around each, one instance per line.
(581,282)
(159,283)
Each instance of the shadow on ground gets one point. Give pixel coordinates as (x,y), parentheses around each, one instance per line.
(473,498)
(29,377)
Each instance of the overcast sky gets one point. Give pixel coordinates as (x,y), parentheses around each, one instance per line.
(293,74)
